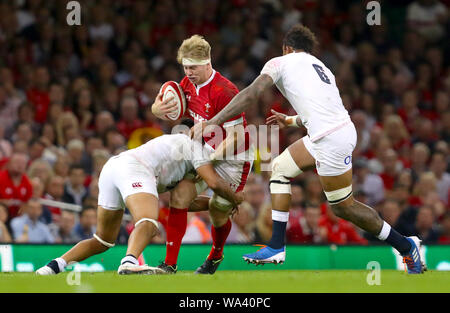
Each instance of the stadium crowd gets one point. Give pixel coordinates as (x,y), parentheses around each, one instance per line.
(72,96)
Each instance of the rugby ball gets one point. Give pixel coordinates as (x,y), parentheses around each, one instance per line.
(173,89)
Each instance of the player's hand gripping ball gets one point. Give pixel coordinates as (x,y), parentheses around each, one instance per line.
(172,89)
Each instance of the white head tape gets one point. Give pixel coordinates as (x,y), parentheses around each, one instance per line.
(189,61)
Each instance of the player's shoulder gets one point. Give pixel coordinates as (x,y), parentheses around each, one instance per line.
(222,85)
(221,80)
(276,61)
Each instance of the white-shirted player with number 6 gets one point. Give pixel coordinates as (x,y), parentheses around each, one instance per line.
(133,179)
(310,87)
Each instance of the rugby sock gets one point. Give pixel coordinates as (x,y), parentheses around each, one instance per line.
(61,263)
(280,220)
(129,258)
(219,236)
(176,228)
(395,239)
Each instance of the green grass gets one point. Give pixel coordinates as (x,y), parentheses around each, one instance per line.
(284,281)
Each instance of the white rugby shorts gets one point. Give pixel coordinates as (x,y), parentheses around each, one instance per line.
(333,153)
(122,176)
(234,171)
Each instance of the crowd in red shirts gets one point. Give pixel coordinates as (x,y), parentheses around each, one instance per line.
(72,96)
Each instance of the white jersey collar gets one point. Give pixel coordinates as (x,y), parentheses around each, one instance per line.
(197,87)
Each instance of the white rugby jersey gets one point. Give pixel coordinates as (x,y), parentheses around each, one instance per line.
(170,158)
(311,89)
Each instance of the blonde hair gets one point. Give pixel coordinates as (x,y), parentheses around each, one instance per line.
(64,121)
(425,184)
(195,47)
(395,122)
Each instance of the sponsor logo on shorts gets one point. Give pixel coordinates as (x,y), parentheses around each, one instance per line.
(137,185)
(348,159)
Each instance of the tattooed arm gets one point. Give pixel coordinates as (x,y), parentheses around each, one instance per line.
(242,100)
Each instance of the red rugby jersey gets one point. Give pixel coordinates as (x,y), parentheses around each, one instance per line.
(21,193)
(206,100)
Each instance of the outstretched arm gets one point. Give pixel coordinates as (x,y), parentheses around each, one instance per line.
(242,100)
(218,184)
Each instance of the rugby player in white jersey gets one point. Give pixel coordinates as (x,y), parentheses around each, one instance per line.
(133,179)
(310,88)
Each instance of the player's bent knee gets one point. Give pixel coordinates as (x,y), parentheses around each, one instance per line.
(145,219)
(104,243)
(340,195)
(283,169)
(339,201)
(221,204)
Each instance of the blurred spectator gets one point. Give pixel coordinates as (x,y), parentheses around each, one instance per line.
(27,228)
(61,166)
(5,233)
(38,187)
(84,109)
(297,197)
(36,148)
(263,230)
(129,119)
(444,238)
(425,184)
(65,230)
(38,94)
(359,118)
(419,159)
(74,189)
(67,128)
(9,105)
(313,191)
(305,228)
(428,17)
(197,231)
(5,148)
(75,149)
(15,186)
(243,223)
(54,191)
(391,168)
(99,158)
(397,133)
(255,191)
(337,230)
(103,121)
(93,145)
(40,168)
(424,227)
(390,212)
(114,141)
(85,228)
(438,166)
(370,184)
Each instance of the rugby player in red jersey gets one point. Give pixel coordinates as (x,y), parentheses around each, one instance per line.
(207,93)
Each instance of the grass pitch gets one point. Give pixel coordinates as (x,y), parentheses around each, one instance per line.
(277,281)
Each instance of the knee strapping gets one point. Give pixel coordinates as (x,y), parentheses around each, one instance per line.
(337,196)
(105,243)
(148,220)
(220,203)
(283,169)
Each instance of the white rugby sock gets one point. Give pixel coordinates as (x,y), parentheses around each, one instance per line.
(61,264)
(385,230)
(129,259)
(280,216)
